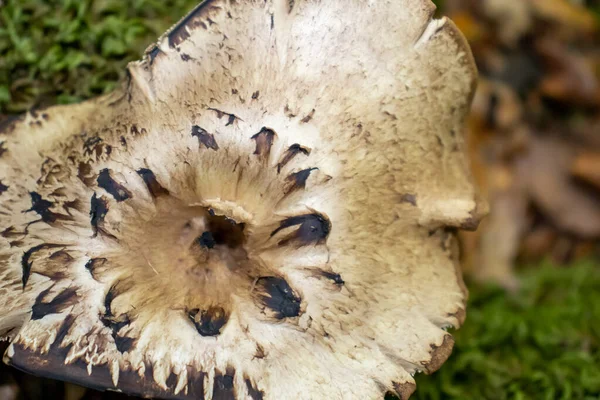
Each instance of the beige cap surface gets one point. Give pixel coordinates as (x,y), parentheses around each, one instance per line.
(266,210)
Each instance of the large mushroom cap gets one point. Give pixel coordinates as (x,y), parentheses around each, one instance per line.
(267,210)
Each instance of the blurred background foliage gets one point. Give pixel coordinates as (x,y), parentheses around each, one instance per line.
(533,324)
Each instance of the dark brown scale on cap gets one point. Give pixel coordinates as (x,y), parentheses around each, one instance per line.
(3,188)
(57,266)
(209,322)
(291,4)
(61,256)
(153,53)
(336,278)
(404,390)
(123,343)
(290,153)
(135,131)
(297,180)
(223,385)
(72,205)
(279,297)
(26,264)
(2,149)
(180,32)
(116,323)
(93,264)
(253,392)
(84,173)
(63,330)
(116,289)
(42,208)
(152,184)
(98,210)
(110,295)
(308,117)
(91,145)
(64,299)
(115,189)
(171,381)
(231,118)
(264,141)
(195,383)
(205,138)
(312,228)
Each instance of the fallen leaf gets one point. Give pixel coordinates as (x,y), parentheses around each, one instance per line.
(586,167)
(546,173)
(565,12)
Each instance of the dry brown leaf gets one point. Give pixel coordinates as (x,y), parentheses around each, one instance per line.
(571,77)
(587,168)
(564,12)
(546,171)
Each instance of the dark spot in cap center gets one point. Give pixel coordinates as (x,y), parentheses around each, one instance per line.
(279,297)
(209,322)
(206,240)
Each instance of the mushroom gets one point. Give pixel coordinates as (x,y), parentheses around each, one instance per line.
(267,209)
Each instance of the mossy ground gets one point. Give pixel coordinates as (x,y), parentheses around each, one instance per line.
(63,51)
(542,342)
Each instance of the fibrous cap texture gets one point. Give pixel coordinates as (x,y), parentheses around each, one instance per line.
(266,210)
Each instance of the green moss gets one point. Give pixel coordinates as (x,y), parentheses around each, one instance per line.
(62,51)
(540,343)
